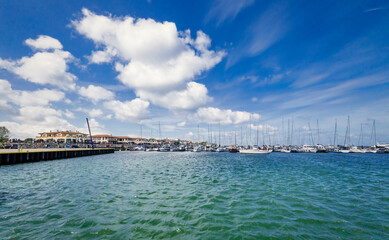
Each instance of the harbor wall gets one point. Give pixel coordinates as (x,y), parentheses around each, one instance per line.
(8,158)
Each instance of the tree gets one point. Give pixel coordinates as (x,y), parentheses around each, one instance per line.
(4,134)
(28,140)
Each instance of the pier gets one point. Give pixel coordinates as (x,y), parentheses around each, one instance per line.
(13,156)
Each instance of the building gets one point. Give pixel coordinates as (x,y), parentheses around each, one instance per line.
(63,136)
(104,138)
(125,140)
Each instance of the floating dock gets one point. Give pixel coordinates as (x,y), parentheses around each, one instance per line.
(14,156)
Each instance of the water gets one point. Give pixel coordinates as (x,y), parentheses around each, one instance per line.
(146,195)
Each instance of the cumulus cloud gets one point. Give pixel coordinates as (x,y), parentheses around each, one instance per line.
(31,110)
(129,111)
(44,67)
(34,119)
(181,124)
(41,97)
(216,115)
(194,96)
(44,43)
(96,93)
(153,58)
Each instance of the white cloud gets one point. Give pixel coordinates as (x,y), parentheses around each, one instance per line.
(96,93)
(43,67)
(129,111)
(39,97)
(194,96)
(221,10)
(95,113)
(216,115)
(31,111)
(44,43)
(153,58)
(270,27)
(34,119)
(69,114)
(181,124)
(254,99)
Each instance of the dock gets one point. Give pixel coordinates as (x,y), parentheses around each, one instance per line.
(14,156)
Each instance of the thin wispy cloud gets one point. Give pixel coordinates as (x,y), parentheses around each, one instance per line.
(270,27)
(375,9)
(222,10)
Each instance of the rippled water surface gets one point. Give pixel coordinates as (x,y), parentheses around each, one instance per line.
(145,195)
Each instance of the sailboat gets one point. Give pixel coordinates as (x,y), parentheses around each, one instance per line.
(252,150)
(233,149)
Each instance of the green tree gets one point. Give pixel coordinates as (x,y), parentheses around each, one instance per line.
(4,134)
(28,140)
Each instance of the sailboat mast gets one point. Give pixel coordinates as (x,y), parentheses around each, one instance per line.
(360,139)
(310,131)
(318,132)
(288,133)
(257,136)
(336,132)
(349,130)
(250,131)
(198,133)
(219,133)
(159,130)
(283,132)
(291,134)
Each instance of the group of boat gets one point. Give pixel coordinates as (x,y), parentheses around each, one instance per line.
(318,148)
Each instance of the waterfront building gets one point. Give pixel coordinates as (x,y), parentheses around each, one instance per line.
(63,136)
(104,138)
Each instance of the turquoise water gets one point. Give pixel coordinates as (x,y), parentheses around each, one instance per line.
(152,195)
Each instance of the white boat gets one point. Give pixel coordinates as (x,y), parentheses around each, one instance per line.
(355,149)
(255,151)
(139,148)
(308,149)
(197,149)
(221,149)
(152,149)
(165,148)
(285,150)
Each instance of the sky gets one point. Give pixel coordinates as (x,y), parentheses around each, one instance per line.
(185,69)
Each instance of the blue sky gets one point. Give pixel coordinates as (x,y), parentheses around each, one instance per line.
(196,63)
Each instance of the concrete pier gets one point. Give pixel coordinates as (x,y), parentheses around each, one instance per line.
(13,156)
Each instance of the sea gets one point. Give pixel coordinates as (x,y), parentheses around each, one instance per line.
(185,195)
